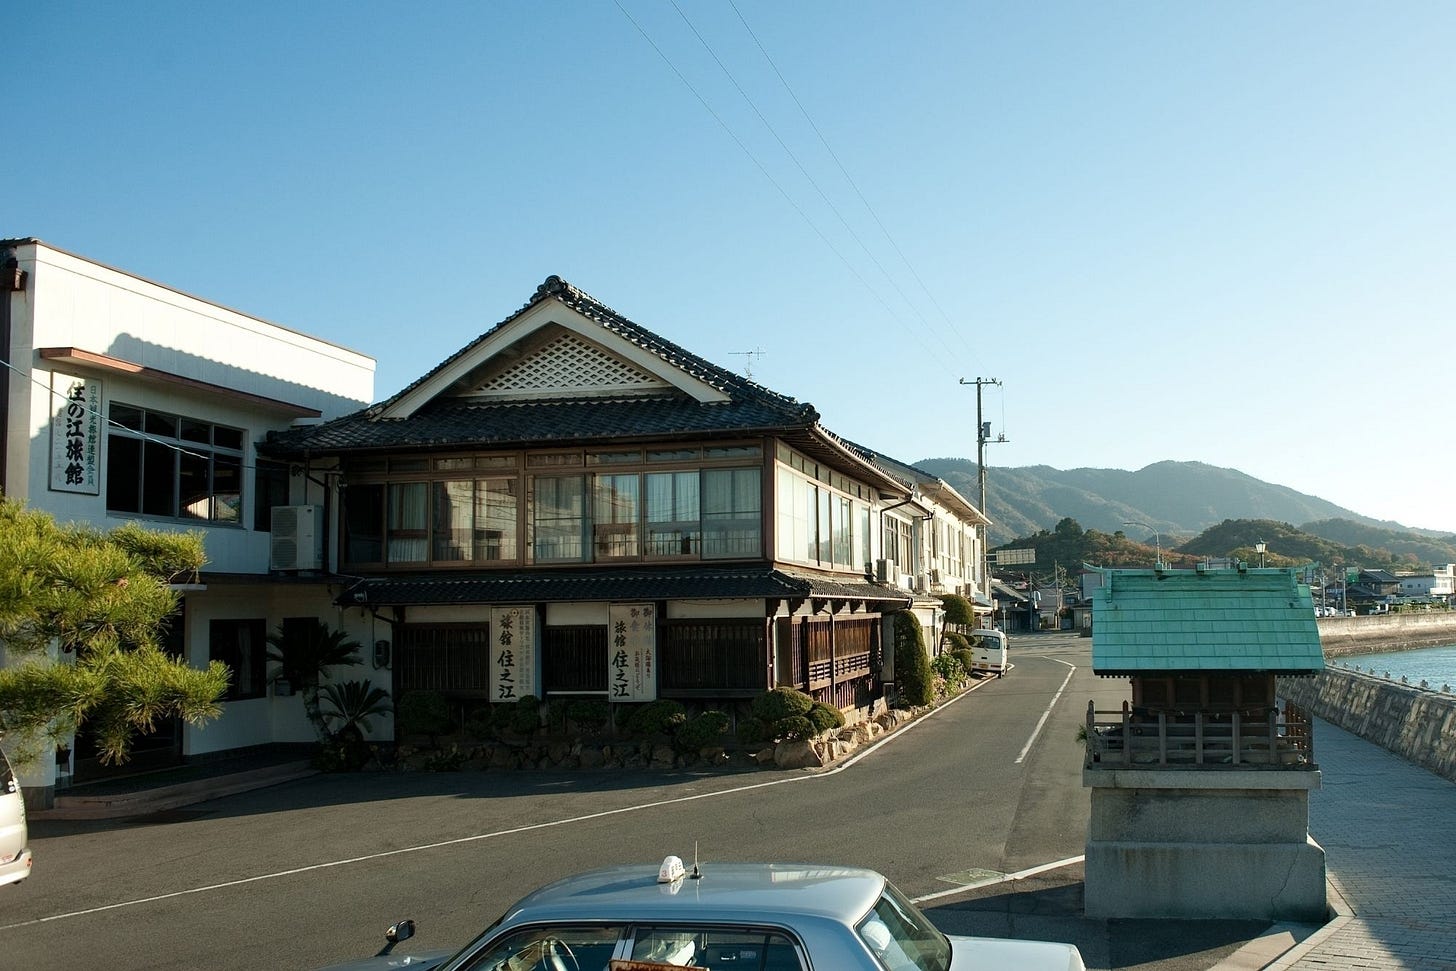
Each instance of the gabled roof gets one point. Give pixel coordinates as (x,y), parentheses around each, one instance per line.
(927,483)
(1146,621)
(567,369)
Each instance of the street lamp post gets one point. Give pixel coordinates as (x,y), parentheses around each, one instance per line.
(1259,548)
(1157,539)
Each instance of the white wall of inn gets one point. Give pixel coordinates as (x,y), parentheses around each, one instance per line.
(151,347)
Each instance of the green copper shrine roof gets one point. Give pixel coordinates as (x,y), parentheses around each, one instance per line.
(1145,621)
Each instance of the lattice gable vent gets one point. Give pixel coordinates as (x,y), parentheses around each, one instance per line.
(569,365)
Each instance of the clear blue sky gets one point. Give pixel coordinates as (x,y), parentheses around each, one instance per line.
(1219,232)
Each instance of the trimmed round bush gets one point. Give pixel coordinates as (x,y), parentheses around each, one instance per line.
(588,714)
(958,610)
(702,730)
(794,728)
(661,717)
(956,641)
(825,717)
(752,731)
(480,726)
(423,713)
(780,703)
(967,659)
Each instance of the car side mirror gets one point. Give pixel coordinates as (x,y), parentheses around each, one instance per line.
(397,932)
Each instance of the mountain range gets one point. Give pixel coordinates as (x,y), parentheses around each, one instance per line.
(1177,499)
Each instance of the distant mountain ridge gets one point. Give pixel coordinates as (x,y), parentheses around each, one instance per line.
(1178,499)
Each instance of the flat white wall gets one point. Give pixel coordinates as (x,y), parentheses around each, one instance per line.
(78,303)
(275,719)
(72,302)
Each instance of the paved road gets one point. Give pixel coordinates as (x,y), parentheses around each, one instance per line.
(309,872)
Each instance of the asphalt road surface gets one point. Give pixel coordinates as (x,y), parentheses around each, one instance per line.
(308,873)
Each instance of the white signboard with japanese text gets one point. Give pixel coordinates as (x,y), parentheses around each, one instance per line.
(632,652)
(512,653)
(75,434)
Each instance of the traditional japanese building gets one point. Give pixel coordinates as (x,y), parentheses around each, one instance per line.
(636,521)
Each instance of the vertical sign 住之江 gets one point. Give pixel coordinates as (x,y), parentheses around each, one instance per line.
(512,653)
(632,652)
(76,435)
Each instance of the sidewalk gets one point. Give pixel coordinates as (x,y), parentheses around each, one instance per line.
(1389,832)
(184,785)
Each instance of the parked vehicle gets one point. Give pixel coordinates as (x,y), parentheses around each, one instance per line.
(766,916)
(14,839)
(989,652)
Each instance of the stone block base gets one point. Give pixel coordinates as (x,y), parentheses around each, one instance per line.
(1259,881)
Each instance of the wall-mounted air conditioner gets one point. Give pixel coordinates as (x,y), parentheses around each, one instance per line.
(297,542)
(884,571)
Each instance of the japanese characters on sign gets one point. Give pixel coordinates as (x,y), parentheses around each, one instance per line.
(76,435)
(632,652)
(512,653)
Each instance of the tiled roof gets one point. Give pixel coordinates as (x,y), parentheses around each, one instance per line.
(447,421)
(597,584)
(450,423)
(1203,620)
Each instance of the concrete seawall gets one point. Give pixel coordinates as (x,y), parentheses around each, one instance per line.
(1388,632)
(1418,725)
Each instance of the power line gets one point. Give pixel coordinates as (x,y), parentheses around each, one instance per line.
(800,165)
(849,178)
(769,176)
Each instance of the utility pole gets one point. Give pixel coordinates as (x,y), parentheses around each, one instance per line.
(983,435)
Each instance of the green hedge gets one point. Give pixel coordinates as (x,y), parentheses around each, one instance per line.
(912,664)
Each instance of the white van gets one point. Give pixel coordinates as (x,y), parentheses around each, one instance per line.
(989,652)
(14,841)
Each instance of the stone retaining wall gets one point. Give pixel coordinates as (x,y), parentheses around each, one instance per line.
(1418,725)
(1386,632)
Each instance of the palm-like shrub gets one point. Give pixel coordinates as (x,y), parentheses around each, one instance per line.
(304,654)
(352,706)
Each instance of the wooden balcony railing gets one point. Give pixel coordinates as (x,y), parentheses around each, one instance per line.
(1131,738)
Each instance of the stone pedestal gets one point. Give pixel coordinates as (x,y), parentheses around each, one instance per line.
(1203,843)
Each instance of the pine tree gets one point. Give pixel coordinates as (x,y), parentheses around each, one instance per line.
(100,599)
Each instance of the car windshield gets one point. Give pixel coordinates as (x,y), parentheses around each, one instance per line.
(900,937)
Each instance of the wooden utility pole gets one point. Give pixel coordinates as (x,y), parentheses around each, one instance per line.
(983,435)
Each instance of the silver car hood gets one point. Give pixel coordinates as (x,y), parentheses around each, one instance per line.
(987,953)
(424,961)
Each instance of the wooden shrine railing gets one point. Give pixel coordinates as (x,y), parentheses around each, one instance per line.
(1263,738)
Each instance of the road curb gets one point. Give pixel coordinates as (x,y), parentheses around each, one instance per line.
(122,804)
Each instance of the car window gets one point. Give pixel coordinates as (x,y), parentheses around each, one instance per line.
(550,947)
(712,947)
(900,937)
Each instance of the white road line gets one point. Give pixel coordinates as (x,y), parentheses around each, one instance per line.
(1005,878)
(498,833)
(1046,714)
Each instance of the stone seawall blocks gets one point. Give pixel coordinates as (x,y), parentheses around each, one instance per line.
(1417,725)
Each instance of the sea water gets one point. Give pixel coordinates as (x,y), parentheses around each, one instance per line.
(1434,665)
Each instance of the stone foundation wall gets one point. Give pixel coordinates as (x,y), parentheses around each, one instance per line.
(1415,724)
(1388,632)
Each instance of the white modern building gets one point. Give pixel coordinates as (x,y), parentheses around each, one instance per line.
(128,400)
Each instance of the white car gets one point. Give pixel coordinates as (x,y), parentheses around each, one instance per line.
(14,839)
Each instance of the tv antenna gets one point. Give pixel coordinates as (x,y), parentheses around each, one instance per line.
(749,357)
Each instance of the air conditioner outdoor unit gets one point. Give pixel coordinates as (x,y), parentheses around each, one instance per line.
(297,542)
(884,571)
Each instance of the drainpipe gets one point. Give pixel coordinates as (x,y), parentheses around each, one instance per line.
(12,281)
